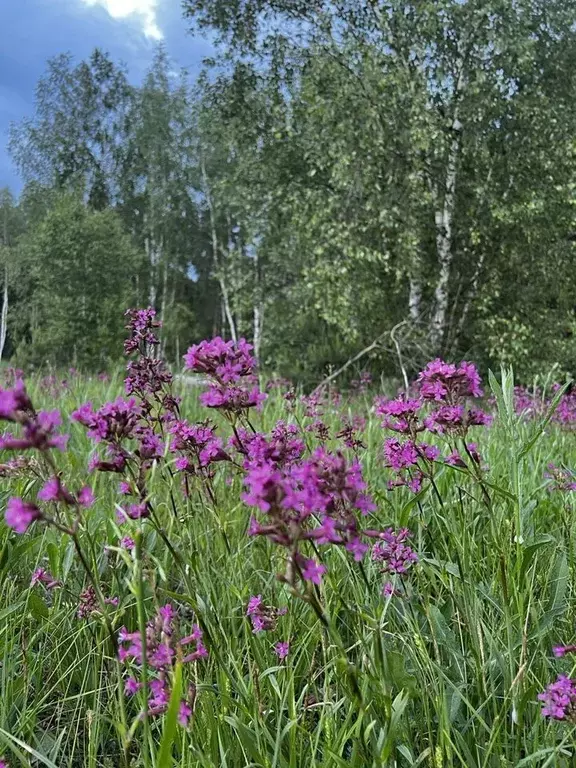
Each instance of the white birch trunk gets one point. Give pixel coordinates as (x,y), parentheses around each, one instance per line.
(443,219)
(154,252)
(163,305)
(415,299)
(258,322)
(215,257)
(4,314)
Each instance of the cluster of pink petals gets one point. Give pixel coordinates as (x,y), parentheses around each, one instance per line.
(197,446)
(263,617)
(561,650)
(565,413)
(406,459)
(142,325)
(231,368)
(561,479)
(163,646)
(447,387)
(400,415)
(559,699)
(225,361)
(317,498)
(13,401)
(392,551)
(38,431)
(447,382)
(455,459)
(232,398)
(350,433)
(54,490)
(282,447)
(113,422)
(21,514)
(41,576)
(281,649)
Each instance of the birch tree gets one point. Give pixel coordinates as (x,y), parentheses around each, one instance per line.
(440,79)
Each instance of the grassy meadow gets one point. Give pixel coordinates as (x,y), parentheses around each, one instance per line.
(443,669)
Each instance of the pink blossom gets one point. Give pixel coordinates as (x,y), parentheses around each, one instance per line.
(313,571)
(21,514)
(282,649)
(86,496)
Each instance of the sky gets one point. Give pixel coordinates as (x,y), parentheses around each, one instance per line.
(32,31)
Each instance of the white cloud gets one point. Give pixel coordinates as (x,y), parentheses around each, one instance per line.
(144,10)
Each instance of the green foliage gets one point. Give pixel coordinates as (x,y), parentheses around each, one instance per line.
(447,675)
(343,170)
(376,104)
(83,267)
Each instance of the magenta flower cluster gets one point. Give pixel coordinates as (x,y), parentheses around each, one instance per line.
(264,618)
(314,499)
(283,447)
(163,646)
(560,479)
(392,552)
(559,699)
(230,368)
(441,408)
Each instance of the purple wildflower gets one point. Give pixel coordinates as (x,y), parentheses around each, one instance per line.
(184,714)
(225,361)
(282,649)
(561,650)
(41,576)
(392,551)
(21,514)
(127,543)
(562,480)
(446,382)
(86,496)
(87,603)
(263,617)
(559,699)
(53,490)
(313,571)
(132,686)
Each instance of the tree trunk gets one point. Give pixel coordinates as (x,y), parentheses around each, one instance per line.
(215,258)
(258,309)
(163,305)
(258,323)
(415,299)
(153,251)
(443,219)
(4,314)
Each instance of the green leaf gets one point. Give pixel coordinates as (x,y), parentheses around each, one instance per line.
(9,610)
(13,741)
(171,719)
(37,607)
(531,442)
(442,632)
(532,548)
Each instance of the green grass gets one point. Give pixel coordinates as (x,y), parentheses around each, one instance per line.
(446,676)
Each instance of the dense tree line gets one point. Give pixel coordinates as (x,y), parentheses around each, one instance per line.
(382,176)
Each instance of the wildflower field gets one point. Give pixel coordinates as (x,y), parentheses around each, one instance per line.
(239,575)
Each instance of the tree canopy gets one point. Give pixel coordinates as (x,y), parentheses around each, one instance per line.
(392,177)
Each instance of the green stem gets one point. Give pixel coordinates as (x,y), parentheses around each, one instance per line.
(140,593)
(114,642)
